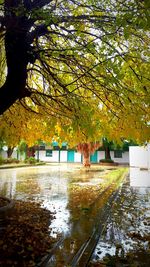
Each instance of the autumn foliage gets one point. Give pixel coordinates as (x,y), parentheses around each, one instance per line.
(26,239)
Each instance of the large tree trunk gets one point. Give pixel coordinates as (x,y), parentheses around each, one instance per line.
(14,87)
(17,57)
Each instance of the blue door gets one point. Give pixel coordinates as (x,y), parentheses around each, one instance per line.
(93,158)
(70,156)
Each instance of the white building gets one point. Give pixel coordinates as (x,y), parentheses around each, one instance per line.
(139,156)
(57,154)
(49,155)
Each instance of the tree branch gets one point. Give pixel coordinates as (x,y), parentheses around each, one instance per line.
(30,5)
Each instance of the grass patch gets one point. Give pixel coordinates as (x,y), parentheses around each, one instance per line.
(115,174)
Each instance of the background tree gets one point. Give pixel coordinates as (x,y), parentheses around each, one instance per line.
(107,145)
(87,149)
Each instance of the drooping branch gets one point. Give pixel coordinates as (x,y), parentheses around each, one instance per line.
(30,5)
(77,50)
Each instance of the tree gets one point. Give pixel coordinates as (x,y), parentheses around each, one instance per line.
(86,149)
(18,124)
(60,52)
(80,67)
(10,151)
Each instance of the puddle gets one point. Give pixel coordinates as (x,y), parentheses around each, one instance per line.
(90,183)
(128,227)
(49,185)
(73,194)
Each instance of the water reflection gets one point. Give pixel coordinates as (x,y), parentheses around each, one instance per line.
(8,184)
(128,228)
(70,193)
(49,185)
(139,177)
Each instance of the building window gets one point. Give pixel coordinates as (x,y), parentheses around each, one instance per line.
(49,153)
(64,148)
(41,147)
(117,153)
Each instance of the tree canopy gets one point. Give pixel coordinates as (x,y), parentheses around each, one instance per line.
(80,62)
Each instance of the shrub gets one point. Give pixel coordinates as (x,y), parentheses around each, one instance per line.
(10,160)
(30,160)
(106,161)
(16,160)
(1,160)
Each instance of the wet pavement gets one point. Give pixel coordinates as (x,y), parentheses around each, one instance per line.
(126,240)
(65,189)
(81,202)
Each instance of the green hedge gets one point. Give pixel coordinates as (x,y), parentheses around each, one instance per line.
(31,160)
(8,160)
(106,160)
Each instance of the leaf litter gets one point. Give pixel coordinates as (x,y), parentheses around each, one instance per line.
(26,236)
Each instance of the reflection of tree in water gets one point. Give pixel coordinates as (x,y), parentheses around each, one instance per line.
(3,189)
(87,212)
(28,187)
(127,228)
(83,194)
(19,185)
(6,190)
(80,199)
(86,202)
(127,214)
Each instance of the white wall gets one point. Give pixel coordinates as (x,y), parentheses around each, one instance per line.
(77,157)
(139,156)
(124,159)
(63,156)
(22,156)
(54,158)
(3,154)
(139,178)
(148,156)
(100,155)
